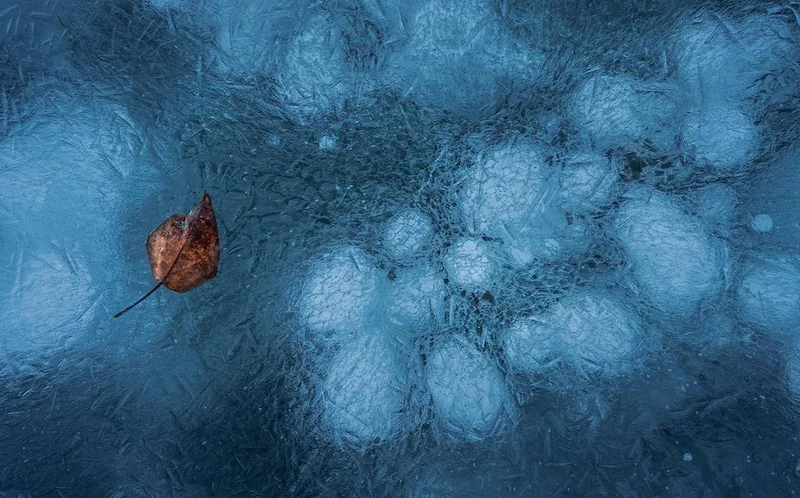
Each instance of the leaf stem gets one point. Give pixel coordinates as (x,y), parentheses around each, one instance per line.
(139,300)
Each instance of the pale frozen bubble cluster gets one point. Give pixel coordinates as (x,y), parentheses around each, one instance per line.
(471,265)
(593,330)
(721,136)
(723,62)
(466,388)
(676,261)
(313,76)
(618,110)
(364,390)
(458,55)
(720,58)
(762,223)
(416,298)
(503,190)
(769,293)
(339,292)
(531,344)
(511,194)
(406,234)
(69,176)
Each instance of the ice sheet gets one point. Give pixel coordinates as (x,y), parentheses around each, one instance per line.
(469,248)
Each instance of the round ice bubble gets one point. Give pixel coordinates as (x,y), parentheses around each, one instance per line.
(529,344)
(598,331)
(503,189)
(416,298)
(762,223)
(615,110)
(364,390)
(769,293)
(676,262)
(406,235)
(721,136)
(471,264)
(339,292)
(466,389)
(588,182)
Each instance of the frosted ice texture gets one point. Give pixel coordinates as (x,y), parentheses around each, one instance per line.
(406,234)
(769,292)
(471,265)
(467,390)
(364,390)
(610,188)
(588,182)
(458,56)
(67,176)
(416,298)
(339,292)
(716,205)
(592,330)
(618,110)
(676,261)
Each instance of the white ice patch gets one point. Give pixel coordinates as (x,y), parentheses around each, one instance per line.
(676,262)
(406,235)
(769,293)
(594,331)
(588,181)
(459,56)
(510,195)
(598,331)
(721,59)
(416,298)
(471,264)
(313,77)
(529,344)
(364,390)
(67,171)
(721,136)
(616,110)
(467,390)
(339,292)
(504,189)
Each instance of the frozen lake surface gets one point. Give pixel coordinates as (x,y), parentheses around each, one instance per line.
(470,248)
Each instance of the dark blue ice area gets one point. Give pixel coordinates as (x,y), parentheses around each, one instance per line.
(478,248)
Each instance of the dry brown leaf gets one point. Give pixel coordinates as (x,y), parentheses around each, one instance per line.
(183,251)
